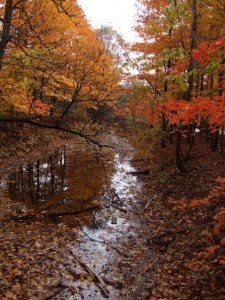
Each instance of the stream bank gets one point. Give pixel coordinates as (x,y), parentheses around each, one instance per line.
(151,236)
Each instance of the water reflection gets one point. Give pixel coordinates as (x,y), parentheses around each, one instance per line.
(66,181)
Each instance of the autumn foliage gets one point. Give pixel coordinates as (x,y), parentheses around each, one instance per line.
(179,82)
(52,63)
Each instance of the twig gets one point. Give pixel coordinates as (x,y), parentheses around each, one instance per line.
(111,196)
(88,199)
(100,241)
(149,201)
(147,205)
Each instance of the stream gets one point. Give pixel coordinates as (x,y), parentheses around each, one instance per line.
(91,193)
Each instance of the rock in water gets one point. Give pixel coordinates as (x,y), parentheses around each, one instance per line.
(114,220)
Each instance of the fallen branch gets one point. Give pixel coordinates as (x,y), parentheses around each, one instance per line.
(55,126)
(72,212)
(46,214)
(102,284)
(50,294)
(24,217)
(116,206)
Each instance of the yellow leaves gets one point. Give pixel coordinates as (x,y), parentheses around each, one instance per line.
(60,60)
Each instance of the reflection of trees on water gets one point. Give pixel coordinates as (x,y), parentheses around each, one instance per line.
(40,179)
(61,182)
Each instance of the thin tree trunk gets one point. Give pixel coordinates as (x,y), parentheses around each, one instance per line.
(188,93)
(193,45)
(222,142)
(179,162)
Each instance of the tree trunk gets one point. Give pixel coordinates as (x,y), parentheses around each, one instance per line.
(215,141)
(6,27)
(188,93)
(179,162)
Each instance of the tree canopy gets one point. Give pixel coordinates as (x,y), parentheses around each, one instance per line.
(180,67)
(53,64)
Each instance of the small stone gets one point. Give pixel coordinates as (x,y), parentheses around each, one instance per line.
(114,220)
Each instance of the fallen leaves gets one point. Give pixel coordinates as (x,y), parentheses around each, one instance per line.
(31,257)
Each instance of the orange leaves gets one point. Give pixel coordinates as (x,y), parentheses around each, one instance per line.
(221,261)
(208,251)
(57,57)
(180,204)
(41,108)
(220,180)
(123,111)
(184,112)
(197,202)
(222,242)
(192,265)
(215,192)
(220,222)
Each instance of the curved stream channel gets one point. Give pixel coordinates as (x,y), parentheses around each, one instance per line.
(93,194)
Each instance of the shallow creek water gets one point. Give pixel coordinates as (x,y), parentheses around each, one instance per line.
(66,186)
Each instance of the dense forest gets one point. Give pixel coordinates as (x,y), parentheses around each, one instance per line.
(62,80)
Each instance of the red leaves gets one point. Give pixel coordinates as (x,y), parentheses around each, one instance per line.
(205,50)
(200,56)
(178,67)
(183,112)
(123,111)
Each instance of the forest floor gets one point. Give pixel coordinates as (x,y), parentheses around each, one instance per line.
(183,218)
(177,252)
